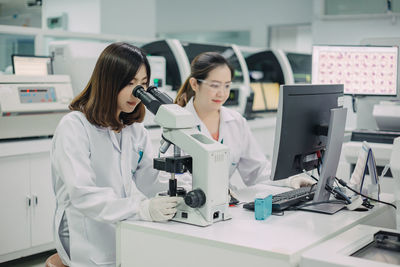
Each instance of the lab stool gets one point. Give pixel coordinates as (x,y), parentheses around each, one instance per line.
(54,261)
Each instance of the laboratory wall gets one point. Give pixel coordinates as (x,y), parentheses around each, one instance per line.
(227,15)
(351,30)
(82,16)
(129,17)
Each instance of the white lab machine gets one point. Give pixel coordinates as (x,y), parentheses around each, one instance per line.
(76,59)
(208,162)
(180,54)
(268,69)
(210,169)
(30,109)
(362,245)
(276,65)
(31,106)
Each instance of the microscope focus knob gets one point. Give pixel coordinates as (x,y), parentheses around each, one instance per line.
(195,198)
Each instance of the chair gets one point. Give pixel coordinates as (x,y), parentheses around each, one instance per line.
(54,261)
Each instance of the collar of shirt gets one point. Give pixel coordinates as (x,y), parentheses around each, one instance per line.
(225,117)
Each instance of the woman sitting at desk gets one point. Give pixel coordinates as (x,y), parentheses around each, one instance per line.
(101,161)
(203,93)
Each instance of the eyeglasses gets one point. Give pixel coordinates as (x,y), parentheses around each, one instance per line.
(215,86)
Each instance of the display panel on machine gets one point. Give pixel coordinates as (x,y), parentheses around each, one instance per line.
(32,65)
(364,70)
(37,94)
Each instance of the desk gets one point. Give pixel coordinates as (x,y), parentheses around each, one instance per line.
(242,241)
(336,251)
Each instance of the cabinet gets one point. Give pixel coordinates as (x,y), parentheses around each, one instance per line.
(27,204)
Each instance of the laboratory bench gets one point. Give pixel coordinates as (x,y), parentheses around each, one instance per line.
(241,241)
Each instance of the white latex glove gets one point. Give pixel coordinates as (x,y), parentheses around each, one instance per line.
(159,209)
(299,181)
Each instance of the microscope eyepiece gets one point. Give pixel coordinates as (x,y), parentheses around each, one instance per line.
(147,99)
(137,90)
(162,97)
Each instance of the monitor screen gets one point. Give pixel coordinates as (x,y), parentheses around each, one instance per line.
(364,70)
(32,65)
(303,110)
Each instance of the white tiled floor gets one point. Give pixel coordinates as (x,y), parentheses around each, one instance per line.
(37,260)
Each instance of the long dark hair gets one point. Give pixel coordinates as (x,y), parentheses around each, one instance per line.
(115,69)
(200,67)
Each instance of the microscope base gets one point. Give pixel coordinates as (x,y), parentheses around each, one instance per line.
(193,216)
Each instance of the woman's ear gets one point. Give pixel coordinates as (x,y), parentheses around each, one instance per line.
(194,84)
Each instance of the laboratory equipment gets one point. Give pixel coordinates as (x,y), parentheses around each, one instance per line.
(31,106)
(76,59)
(30,109)
(207,161)
(268,69)
(179,55)
(309,131)
(365,71)
(362,245)
(32,65)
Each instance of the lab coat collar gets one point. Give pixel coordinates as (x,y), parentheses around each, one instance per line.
(225,117)
(189,106)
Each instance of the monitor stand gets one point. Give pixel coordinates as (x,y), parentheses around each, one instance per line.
(326,208)
(331,160)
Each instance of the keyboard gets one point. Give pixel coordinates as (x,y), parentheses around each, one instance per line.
(287,199)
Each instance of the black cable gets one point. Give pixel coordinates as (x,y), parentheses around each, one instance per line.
(353,103)
(336,192)
(361,194)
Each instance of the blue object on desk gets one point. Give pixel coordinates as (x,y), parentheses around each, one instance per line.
(263,207)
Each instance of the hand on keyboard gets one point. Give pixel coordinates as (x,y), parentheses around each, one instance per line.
(298,181)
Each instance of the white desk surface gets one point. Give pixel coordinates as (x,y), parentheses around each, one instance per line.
(279,240)
(336,251)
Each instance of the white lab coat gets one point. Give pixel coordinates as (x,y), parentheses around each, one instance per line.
(245,154)
(97,183)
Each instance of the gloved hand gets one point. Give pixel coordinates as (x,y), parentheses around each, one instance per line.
(159,209)
(300,180)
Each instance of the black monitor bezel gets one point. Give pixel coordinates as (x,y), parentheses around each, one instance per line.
(279,135)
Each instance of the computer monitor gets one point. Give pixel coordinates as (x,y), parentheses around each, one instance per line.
(309,129)
(364,70)
(32,65)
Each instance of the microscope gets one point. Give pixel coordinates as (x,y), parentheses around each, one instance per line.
(207,160)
